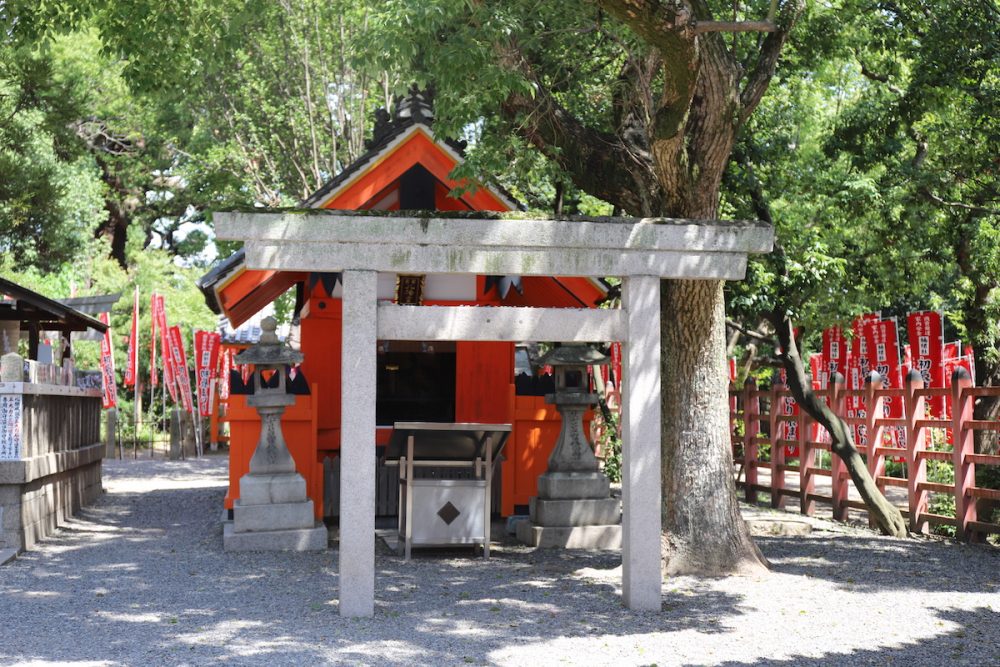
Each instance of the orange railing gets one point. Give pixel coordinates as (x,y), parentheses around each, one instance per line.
(753,408)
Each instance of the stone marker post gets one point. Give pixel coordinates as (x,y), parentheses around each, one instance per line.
(176,435)
(110,433)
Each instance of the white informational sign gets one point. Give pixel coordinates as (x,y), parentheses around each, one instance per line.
(10,427)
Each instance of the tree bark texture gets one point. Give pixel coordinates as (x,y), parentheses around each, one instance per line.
(704,531)
(887,516)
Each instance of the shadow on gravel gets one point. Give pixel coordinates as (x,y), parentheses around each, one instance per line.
(873,563)
(963,645)
(141,578)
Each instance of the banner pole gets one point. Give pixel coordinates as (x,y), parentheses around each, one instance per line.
(199,448)
(137,417)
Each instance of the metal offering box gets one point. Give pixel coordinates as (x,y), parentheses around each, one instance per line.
(442,512)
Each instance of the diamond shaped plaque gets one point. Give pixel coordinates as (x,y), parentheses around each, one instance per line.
(448,512)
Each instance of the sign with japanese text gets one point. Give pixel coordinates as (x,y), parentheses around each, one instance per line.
(206,359)
(926,332)
(10,427)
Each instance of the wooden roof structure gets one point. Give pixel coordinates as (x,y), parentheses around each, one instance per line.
(35,310)
(35,313)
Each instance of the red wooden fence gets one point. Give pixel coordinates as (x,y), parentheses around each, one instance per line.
(747,410)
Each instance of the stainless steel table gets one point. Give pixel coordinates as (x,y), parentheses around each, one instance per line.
(441,512)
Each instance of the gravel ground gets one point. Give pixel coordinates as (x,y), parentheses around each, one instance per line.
(140,578)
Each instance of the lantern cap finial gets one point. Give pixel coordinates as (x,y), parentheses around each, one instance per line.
(269,351)
(573,355)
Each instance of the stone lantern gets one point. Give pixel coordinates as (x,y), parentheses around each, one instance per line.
(573,456)
(273,512)
(573,507)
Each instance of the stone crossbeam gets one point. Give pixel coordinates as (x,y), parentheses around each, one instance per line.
(506,323)
(326,241)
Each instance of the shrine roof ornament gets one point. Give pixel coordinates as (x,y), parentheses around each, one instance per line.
(412,113)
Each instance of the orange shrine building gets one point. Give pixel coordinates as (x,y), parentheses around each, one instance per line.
(405,168)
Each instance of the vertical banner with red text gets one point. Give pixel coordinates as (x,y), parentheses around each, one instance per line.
(226,363)
(834,356)
(110,389)
(132,364)
(616,364)
(926,329)
(788,429)
(858,369)
(882,342)
(168,364)
(153,380)
(180,367)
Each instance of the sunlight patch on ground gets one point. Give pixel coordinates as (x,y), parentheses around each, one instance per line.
(398,652)
(224,633)
(451,624)
(139,485)
(130,618)
(63,663)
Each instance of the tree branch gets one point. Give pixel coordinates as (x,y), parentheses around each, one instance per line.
(957,204)
(748,333)
(767,59)
(598,162)
(701,27)
(876,76)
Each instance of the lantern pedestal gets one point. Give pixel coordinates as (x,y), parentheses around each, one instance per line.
(273,512)
(574,508)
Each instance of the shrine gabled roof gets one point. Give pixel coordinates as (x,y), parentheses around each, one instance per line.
(400,143)
(217,275)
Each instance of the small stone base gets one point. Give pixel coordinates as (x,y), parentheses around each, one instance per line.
(573,485)
(7,555)
(575,537)
(580,512)
(301,539)
(274,516)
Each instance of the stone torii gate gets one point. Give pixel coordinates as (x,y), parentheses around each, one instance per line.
(642,251)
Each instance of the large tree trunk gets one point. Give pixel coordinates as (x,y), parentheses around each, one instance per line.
(703,530)
(678,110)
